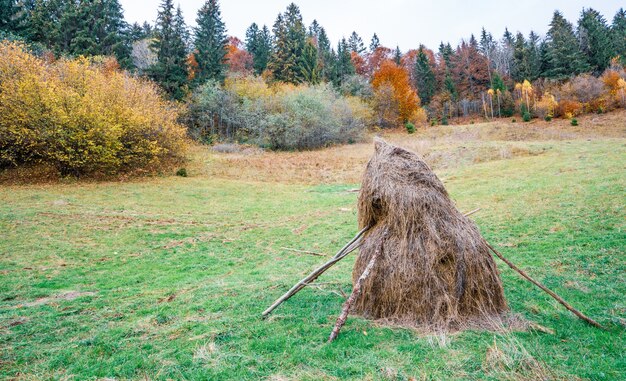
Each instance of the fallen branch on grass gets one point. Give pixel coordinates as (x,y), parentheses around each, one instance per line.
(303,251)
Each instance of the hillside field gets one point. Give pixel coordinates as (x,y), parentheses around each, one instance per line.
(166,277)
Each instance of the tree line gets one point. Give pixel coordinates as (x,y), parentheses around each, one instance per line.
(180,58)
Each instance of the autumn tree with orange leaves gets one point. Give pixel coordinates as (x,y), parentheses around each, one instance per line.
(239,60)
(395,100)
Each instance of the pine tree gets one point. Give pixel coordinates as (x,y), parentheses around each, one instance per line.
(259,44)
(374,44)
(618,33)
(309,64)
(563,55)
(534,56)
(314,29)
(211,43)
(101,31)
(595,40)
(424,77)
(170,69)
(520,68)
(355,42)
(289,44)
(326,57)
(9,11)
(343,63)
(397,56)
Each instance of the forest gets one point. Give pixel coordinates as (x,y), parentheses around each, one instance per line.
(277,86)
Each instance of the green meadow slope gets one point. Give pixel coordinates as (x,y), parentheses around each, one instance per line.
(165,278)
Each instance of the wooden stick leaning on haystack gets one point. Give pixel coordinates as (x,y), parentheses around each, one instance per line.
(341,254)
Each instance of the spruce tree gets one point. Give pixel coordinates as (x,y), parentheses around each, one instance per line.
(170,69)
(520,68)
(343,63)
(101,31)
(259,44)
(309,64)
(355,42)
(9,11)
(534,56)
(325,56)
(595,40)
(563,55)
(424,77)
(374,44)
(618,33)
(211,43)
(289,44)
(397,56)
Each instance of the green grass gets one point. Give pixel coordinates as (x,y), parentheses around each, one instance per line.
(174,273)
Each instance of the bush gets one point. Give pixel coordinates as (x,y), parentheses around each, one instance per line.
(526,116)
(574,122)
(182,172)
(569,108)
(280,117)
(548,118)
(410,128)
(444,120)
(82,117)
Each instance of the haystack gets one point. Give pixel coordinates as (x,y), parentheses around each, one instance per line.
(435,269)
(421,262)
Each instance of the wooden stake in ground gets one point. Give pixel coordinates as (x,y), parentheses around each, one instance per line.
(544,288)
(347,249)
(341,320)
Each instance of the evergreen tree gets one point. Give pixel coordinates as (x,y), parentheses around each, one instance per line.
(534,56)
(211,43)
(424,77)
(563,55)
(101,31)
(520,68)
(343,63)
(289,44)
(355,42)
(170,69)
(9,11)
(397,56)
(618,32)
(325,56)
(595,40)
(259,44)
(374,44)
(309,64)
(314,29)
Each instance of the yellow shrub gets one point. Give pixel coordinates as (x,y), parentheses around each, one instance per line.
(546,107)
(82,117)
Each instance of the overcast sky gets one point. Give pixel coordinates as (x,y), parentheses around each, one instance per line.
(396,22)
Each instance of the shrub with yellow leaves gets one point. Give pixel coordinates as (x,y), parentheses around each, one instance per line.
(82,116)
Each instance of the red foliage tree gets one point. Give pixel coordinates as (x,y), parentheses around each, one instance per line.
(395,79)
(239,60)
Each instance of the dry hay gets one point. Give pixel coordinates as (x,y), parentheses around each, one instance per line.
(435,269)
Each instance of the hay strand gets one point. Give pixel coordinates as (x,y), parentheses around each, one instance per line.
(544,288)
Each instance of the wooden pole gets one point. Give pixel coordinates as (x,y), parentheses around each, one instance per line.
(544,288)
(356,291)
(341,254)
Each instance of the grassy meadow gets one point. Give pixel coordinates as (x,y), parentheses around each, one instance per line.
(166,277)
